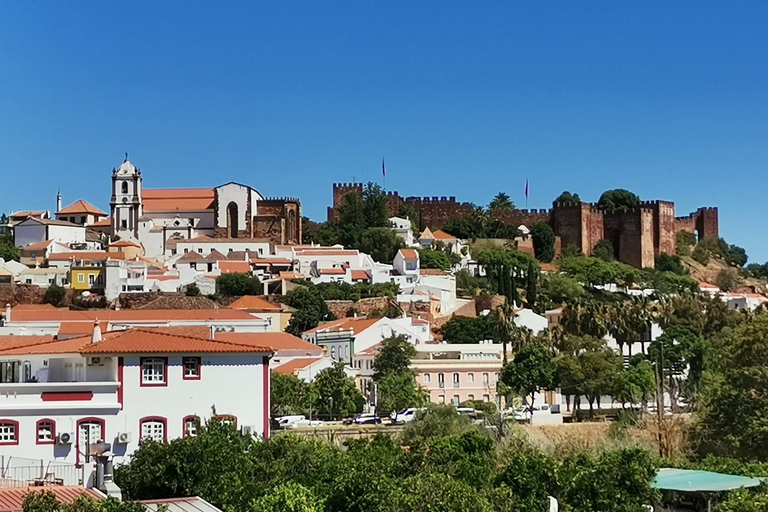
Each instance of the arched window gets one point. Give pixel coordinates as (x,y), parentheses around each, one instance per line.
(9,432)
(190,425)
(46,431)
(89,431)
(124,187)
(232,220)
(153,428)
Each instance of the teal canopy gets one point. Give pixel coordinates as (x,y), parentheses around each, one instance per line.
(689,480)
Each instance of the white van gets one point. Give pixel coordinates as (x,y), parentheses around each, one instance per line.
(289,421)
(406,415)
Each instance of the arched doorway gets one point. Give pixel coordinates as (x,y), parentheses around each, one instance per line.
(232,220)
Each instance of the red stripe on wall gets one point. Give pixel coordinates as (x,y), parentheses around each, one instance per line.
(120,380)
(66,396)
(265,369)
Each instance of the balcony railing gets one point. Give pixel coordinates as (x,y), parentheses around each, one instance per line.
(30,396)
(23,472)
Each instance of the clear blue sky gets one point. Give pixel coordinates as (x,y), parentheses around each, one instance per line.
(667,99)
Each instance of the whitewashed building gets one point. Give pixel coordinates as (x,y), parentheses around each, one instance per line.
(34,230)
(58,396)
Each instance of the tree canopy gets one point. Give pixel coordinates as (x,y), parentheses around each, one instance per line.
(618,199)
(543,241)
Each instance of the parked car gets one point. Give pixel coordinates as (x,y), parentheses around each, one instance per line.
(406,415)
(307,423)
(288,421)
(367,418)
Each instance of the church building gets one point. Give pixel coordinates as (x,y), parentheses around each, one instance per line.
(229,211)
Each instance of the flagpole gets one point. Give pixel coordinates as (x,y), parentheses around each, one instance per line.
(384,173)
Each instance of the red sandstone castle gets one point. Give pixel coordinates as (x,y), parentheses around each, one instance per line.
(638,235)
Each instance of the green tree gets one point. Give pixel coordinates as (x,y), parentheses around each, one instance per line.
(352,219)
(461,227)
(684,356)
(435,421)
(604,250)
(501,202)
(531,286)
(192,290)
(381,244)
(728,279)
(734,401)
(55,295)
(8,249)
(670,263)
(745,500)
(375,204)
(618,199)
(567,198)
(504,328)
(289,497)
(735,255)
(635,383)
(683,243)
(325,233)
(394,357)
(311,309)
(532,370)
(543,241)
(334,394)
(531,477)
(560,288)
(237,284)
(288,394)
(430,258)
(464,329)
(700,255)
(46,501)
(399,391)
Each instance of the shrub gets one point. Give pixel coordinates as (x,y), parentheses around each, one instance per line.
(668,263)
(700,255)
(684,241)
(55,295)
(543,241)
(604,250)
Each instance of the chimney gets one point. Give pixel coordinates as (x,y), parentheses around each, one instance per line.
(7,314)
(96,336)
(58,200)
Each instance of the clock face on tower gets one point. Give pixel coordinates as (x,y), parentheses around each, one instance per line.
(125,200)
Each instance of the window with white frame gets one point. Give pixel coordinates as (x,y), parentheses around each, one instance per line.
(9,432)
(45,431)
(441,380)
(470,397)
(426,378)
(153,370)
(441,399)
(80,278)
(486,380)
(486,398)
(455,380)
(191,367)
(470,377)
(190,426)
(456,400)
(153,429)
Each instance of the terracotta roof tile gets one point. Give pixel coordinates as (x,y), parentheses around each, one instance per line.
(442,235)
(124,243)
(409,254)
(271,261)
(254,303)
(290,274)
(332,271)
(81,206)
(344,324)
(327,252)
(143,341)
(215,255)
(358,275)
(294,365)
(192,256)
(547,267)
(12,499)
(242,267)
(80,328)
(105,223)
(433,272)
(182,199)
(37,246)
(275,340)
(127,315)
(86,255)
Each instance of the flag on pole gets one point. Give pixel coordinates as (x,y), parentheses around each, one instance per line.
(526,188)
(383,170)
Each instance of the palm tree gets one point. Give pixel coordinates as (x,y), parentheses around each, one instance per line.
(504,327)
(479,217)
(500,202)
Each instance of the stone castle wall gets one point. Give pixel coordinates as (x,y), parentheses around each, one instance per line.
(638,235)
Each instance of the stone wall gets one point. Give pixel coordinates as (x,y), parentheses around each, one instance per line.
(363,306)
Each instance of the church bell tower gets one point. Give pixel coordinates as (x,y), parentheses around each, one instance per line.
(125,205)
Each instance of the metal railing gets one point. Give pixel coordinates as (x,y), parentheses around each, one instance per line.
(23,472)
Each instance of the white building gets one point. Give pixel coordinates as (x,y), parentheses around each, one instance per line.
(44,277)
(34,230)
(403,229)
(308,369)
(58,396)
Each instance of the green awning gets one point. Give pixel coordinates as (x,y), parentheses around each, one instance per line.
(689,480)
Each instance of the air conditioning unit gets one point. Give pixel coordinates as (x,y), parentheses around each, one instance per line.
(64,437)
(247,430)
(123,437)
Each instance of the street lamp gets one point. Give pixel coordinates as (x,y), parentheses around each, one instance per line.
(330,399)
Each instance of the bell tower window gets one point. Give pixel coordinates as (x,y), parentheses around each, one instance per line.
(125,187)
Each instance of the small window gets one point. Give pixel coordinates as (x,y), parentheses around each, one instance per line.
(333,353)
(91,279)
(29,281)
(186,251)
(153,371)
(82,220)
(200,250)
(426,378)
(456,400)
(153,429)
(191,368)
(441,380)
(441,399)
(190,426)
(72,220)
(486,398)
(470,377)
(124,187)
(124,224)
(51,280)
(80,278)
(261,251)
(193,265)
(9,432)
(455,380)
(470,397)
(46,432)
(228,419)
(486,380)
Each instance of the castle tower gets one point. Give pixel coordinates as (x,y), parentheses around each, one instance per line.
(125,205)
(58,200)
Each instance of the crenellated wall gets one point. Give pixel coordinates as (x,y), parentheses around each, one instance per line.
(638,234)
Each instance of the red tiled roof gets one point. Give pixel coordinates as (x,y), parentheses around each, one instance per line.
(254,303)
(275,340)
(290,274)
(106,223)
(547,267)
(360,275)
(409,254)
(192,256)
(126,315)
(442,235)
(193,331)
(144,341)
(81,206)
(433,272)
(292,366)
(86,255)
(34,307)
(271,261)
(215,255)
(124,243)
(37,246)
(235,266)
(332,271)
(80,328)
(344,324)
(24,215)
(8,342)
(12,499)
(327,252)
(183,199)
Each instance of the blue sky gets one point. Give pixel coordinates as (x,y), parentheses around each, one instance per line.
(667,99)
